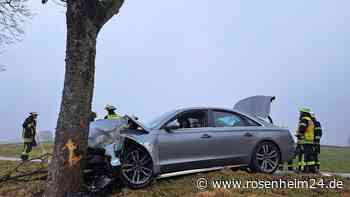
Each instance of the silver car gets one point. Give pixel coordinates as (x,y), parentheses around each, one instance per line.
(193,139)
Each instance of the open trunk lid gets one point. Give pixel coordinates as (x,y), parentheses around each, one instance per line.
(258,106)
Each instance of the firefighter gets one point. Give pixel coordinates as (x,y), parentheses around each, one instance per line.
(306,129)
(318,135)
(299,153)
(28,134)
(111,115)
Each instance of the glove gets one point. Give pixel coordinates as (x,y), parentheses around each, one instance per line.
(318,149)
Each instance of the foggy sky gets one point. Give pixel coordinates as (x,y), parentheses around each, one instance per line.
(160,55)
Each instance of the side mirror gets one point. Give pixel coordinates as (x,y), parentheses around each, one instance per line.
(172,126)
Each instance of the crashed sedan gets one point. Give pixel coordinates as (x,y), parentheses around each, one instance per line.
(187,140)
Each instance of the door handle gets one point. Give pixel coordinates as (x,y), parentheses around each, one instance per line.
(206,136)
(248,134)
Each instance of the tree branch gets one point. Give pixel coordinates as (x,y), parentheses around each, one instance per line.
(13,13)
(108,8)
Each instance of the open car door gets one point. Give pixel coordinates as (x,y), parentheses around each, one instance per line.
(258,106)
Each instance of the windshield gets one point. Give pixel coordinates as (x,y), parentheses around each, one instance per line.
(156,121)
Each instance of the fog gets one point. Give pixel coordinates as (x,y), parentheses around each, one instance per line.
(160,55)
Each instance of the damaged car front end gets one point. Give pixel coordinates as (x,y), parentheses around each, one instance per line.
(119,149)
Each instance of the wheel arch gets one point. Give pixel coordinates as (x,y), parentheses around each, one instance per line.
(145,145)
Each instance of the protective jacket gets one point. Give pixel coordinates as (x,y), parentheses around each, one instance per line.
(29,130)
(112,116)
(307,129)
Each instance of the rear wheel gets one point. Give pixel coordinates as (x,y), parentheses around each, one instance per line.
(137,168)
(266,158)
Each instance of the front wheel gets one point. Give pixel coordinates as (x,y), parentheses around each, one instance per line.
(266,158)
(137,168)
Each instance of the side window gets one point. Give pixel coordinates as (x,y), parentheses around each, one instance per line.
(227,119)
(250,122)
(191,119)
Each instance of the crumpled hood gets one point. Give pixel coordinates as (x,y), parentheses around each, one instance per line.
(104,132)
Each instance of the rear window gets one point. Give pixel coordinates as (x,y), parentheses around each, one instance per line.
(250,122)
(227,119)
(230,119)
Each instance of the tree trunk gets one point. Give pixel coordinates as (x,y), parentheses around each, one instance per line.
(70,147)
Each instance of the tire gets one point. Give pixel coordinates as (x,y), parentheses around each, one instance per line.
(136,170)
(235,169)
(265,158)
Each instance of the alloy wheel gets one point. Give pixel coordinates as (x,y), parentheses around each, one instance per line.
(136,167)
(267,157)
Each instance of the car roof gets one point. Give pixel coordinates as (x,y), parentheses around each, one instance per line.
(206,108)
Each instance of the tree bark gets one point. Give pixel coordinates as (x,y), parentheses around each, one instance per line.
(66,167)
(84,18)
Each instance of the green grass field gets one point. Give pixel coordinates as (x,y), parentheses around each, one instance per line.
(333,160)
(15,150)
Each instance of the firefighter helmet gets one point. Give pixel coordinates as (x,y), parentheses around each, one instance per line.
(305,110)
(33,113)
(110,107)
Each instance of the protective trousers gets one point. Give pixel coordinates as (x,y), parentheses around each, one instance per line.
(309,158)
(27,148)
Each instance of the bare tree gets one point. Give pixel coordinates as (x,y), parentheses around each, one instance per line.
(13,13)
(85,18)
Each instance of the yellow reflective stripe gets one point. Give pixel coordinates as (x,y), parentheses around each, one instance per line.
(309,163)
(302,124)
(317,137)
(27,139)
(113,116)
(306,118)
(308,142)
(317,162)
